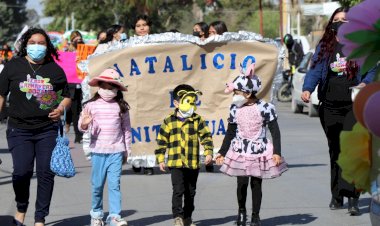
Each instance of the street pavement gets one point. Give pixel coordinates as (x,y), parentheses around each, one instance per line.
(299,197)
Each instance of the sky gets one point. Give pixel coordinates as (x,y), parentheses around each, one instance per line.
(36,5)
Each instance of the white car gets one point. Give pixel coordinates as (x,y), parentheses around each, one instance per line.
(298,78)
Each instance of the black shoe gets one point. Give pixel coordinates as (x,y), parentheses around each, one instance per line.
(136,169)
(78,139)
(242,217)
(17,223)
(148,171)
(335,204)
(255,220)
(353,206)
(210,168)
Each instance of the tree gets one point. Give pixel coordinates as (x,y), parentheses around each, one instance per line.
(13,16)
(349,3)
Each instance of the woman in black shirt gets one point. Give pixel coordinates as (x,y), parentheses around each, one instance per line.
(335,75)
(38,95)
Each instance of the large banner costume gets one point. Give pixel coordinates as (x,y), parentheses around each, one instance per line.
(152,66)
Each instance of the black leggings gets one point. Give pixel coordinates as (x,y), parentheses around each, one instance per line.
(242,185)
(334,120)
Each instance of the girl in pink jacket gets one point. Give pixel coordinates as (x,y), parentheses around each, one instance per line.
(106,117)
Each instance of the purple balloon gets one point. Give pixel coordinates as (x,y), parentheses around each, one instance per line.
(371,114)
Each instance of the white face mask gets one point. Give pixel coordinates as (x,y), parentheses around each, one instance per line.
(187,114)
(107,94)
(239,100)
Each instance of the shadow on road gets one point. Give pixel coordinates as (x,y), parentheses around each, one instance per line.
(295,219)
(150,220)
(6,220)
(217,221)
(305,165)
(84,220)
(156,170)
(4,151)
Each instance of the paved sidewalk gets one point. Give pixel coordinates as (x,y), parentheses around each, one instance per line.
(299,197)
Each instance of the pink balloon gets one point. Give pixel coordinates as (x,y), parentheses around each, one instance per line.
(371,114)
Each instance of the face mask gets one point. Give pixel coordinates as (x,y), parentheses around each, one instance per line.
(36,52)
(335,25)
(239,100)
(196,33)
(187,114)
(107,94)
(123,36)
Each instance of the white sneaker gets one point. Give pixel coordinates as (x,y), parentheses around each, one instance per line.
(118,222)
(96,222)
(178,221)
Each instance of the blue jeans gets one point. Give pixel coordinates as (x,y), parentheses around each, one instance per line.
(106,166)
(27,146)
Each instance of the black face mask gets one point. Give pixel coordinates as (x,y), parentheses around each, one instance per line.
(335,26)
(196,33)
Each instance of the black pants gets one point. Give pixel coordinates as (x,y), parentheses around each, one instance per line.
(334,120)
(27,146)
(75,110)
(184,182)
(242,186)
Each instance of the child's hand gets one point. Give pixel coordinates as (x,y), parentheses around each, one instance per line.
(162,167)
(219,159)
(277,159)
(208,159)
(87,119)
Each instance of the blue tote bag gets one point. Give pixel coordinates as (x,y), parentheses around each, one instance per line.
(61,162)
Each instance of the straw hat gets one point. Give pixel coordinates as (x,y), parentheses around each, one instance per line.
(110,76)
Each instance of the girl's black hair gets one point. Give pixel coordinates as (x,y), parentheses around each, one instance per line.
(50,49)
(141,17)
(204,27)
(328,40)
(124,106)
(219,26)
(328,43)
(110,32)
(99,33)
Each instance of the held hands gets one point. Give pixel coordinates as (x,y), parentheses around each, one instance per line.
(86,119)
(208,159)
(162,167)
(219,159)
(305,96)
(277,159)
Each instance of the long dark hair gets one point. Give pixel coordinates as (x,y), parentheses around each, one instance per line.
(219,26)
(327,45)
(204,28)
(124,106)
(50,49)
(110,32)
(141,17)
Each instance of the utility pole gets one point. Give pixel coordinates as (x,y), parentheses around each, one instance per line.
(72,21)
(261,18)
(67,23)
(281,21)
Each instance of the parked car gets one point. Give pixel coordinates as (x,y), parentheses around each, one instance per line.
(298,78)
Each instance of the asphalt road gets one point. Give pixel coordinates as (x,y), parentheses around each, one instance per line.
(299,197)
